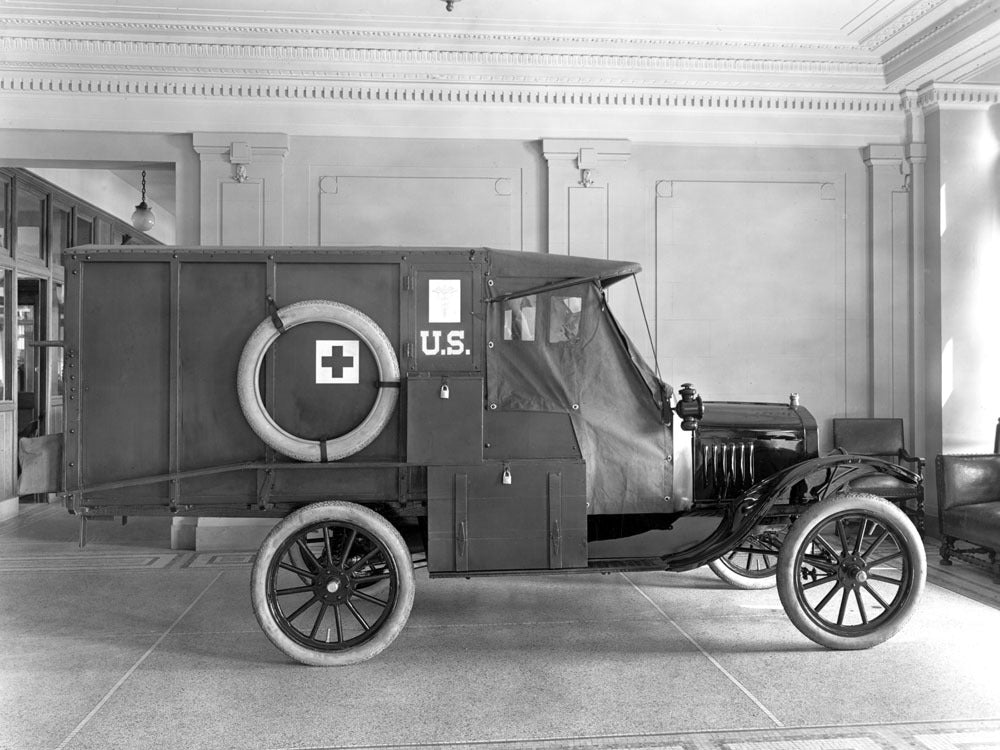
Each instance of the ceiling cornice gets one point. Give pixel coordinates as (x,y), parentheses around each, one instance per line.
(25,52)
(67,47)
(898,24)
(971,29)
(373,61)
(435,93)
(345,32)
(956,96)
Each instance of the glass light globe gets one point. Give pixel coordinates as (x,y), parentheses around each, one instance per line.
(143,218)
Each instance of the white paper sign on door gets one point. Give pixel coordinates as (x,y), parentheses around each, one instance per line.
(444,301)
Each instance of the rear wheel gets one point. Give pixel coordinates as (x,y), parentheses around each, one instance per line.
(332,584)
(851,571)
(753,564)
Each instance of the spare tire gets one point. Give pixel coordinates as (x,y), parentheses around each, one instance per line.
(248,380)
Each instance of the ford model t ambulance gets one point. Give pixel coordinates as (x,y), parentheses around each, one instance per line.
(487,404)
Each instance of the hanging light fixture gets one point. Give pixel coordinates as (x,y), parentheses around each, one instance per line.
(142,218)
(449,5)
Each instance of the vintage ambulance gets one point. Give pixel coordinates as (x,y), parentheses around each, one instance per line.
(480,407)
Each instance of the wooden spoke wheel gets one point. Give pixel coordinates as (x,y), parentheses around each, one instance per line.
(753,564)
(333,584)
(851,571)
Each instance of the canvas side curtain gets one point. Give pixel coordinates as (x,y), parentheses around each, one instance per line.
(563,351)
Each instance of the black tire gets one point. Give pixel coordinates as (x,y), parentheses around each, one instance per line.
(332,584)
(252,403)
(753,563)
(851,571)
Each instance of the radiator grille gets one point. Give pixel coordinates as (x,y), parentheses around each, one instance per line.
(727,468)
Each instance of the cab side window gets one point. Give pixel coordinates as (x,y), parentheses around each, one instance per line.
(519,318)
(564,318)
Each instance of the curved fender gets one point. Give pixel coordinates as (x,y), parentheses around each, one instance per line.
(840,468)
(753,505)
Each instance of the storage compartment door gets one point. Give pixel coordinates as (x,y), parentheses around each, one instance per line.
(476,523)
(444,419)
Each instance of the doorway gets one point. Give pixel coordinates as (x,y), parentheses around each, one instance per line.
(31,329)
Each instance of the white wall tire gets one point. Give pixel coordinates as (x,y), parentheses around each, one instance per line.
(740,580)
(851,571)
(332,584)
(252,358)
(753,563)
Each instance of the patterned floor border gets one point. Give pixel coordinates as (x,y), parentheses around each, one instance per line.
(91,561)
(961,735)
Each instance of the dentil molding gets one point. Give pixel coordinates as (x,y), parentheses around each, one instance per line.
(702,100)
(937,96)
(88,46)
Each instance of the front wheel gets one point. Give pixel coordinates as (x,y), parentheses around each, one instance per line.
(332,584)
(851,571)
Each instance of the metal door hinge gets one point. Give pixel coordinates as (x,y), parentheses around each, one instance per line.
(461,538)
(555,537)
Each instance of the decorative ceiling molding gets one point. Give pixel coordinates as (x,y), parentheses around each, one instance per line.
(972,29)
(376,58)
(863,104)
(900,23)
(344,33)
(51,58)
(76,56)
(982,11)
(936,96)
(62,77)
(34,48)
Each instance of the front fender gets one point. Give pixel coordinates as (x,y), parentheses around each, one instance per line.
(818,478)
(801,484)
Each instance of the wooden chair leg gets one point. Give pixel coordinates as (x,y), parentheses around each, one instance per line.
(947,545)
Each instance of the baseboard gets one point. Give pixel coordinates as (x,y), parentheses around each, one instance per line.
(231,534)
(9,508)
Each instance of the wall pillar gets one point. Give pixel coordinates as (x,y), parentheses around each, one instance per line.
(890,326)
(961,212)
(916,158)
(242,187)
(583,174)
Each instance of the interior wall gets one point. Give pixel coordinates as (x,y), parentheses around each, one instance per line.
(344,191)
(756,269)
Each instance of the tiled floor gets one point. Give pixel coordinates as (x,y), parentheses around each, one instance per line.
(127,644)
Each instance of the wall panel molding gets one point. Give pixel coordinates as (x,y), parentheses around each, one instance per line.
(783,322)
(242,187)
(581,217)
(422,206)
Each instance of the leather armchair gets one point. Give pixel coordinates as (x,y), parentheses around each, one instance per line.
(969,508)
